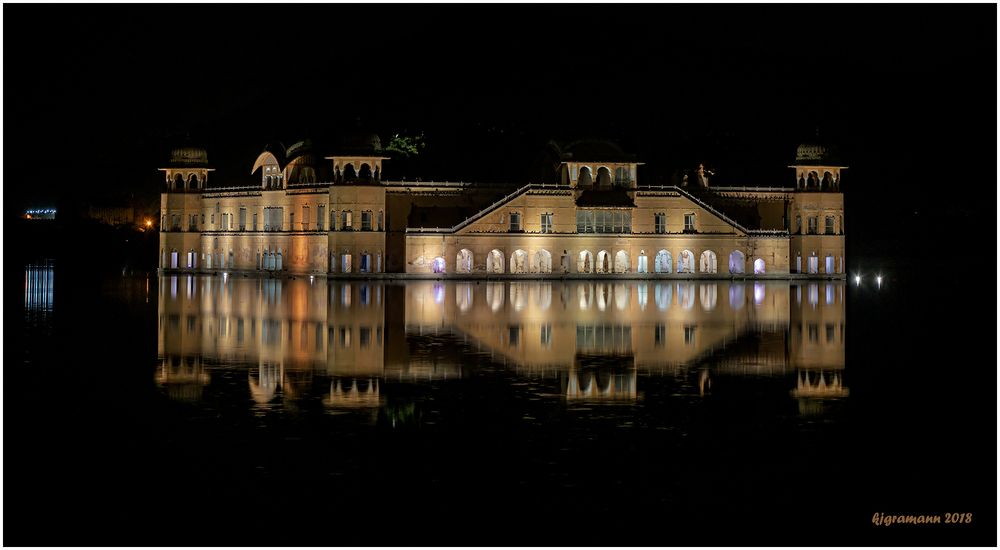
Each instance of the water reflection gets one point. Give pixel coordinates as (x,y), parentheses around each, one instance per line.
(342,342)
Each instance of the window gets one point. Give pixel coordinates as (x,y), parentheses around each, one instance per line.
(320,216)
(213,219)
(345,220)
(812,225)
(829,225)
(798,224)
(622,177)
(661,223)
(366,220)
(203,219)
(603,221)
(584,221)
(515,221)
(243,219)
(689,222)
(273,218)
(380,220)
(546,223)
(255,221)
(193,222)
(305,217)
(291,221)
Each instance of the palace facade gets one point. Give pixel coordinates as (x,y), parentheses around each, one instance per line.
(338,216)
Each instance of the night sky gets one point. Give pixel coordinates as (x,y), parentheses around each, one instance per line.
(96,96)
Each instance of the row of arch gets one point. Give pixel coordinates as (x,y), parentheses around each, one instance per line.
(521,261)
(812,180)
(585,180)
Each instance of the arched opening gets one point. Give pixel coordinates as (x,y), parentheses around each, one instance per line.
(438,265)
(267,182)
(603,177)
(685,262)
(623,178)
(758,266)
(365,263)
(192,259)
(813,182)
(277,261)
(643,264)
(349,173)
(603,262)
(813,265)
(708,263)
(737,262)
(827,182)
(709,296)
(519,261)
(622,262)
(494,262)
(802,181)
(194,182)
(345,263)
(585,262)
(178,182)
(586,180)
(463,261)
(829,264)
(542,262)
(365,172)
(173,259)
(663,262)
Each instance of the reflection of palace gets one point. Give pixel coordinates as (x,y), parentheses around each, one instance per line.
(597,338)
(337,215)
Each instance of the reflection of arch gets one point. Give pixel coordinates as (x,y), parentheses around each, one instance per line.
(708,263)
(463,261)
(621,262)
(438,265)
(663,262)
(737,262)
(603,262)
(685,295)
(585,262)
(542,262)
(586,295)
(494,296)
(758,266)
(464,296)
(621,296)
(685,262)
(519,261)
(664,295)
(585,180)
(603,177)
(737,296)
(709,296)
(494,262)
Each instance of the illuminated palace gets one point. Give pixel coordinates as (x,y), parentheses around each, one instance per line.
(338,216)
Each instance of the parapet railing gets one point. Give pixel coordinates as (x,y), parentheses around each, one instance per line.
(519,191)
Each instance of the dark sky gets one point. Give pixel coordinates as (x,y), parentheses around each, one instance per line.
(96,95)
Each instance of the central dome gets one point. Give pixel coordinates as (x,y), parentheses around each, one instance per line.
(813,153)
(189,156)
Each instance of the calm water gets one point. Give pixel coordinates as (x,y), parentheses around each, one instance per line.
(206,410)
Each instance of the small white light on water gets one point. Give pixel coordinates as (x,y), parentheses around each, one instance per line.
(857,280)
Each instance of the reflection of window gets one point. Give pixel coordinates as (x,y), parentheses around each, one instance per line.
(546,223)
(546,337)
(345,337)
(688,222)
(689,331)
(660,336)
(515,221)
(829,333)
(813,330)
(513,336)
(365,336)
(661,223)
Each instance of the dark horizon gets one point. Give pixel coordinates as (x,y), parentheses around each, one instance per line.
(900,90)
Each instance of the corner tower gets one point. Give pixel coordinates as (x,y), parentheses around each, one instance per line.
(816,214)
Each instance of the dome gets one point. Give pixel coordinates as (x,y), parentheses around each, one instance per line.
(594,150)
(189,156)
(362,143)
(815,154)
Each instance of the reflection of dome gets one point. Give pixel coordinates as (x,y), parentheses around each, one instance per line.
(811,153)
(189,156)
(594,150)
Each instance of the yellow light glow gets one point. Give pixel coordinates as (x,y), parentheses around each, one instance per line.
(149,223)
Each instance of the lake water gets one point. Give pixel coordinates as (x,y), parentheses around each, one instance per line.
(208,410)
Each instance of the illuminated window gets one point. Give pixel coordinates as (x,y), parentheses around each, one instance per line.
(546,223)
(345,220)
(688,222)
(661,223)
(515,221)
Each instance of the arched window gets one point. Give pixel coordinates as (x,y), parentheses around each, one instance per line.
(737,262)
(349,173)
(585,181)
(365,172)
(463,261)
(585,262)
(603,177)
(758,266)
(494,262)
(542,262)
(663,262)
(708,263)
(194,182)
(622,262)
